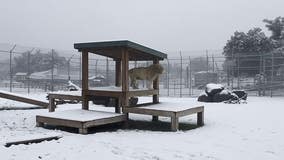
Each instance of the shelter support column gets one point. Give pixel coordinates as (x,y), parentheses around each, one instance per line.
(124,78)
(156,85)
(85,79)
(118,83)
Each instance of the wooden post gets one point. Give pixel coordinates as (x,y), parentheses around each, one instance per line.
(174,123)
(156,85)
(200,118)
(125,84)
(85,81)
(117,105)
(39,124)
(51,106)
(83,130)
(118,73)
(155,118)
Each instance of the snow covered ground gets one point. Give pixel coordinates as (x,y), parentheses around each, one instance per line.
(231,132)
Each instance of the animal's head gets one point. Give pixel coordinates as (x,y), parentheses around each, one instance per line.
(157,68)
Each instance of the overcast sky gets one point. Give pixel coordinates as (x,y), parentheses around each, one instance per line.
(160,24)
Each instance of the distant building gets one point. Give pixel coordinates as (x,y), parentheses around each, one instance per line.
(21,76)
(203,77)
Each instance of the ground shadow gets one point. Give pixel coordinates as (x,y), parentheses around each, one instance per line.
(131,125)
(157,125)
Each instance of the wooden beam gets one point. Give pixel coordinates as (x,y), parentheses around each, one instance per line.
(124,77)
(156,85)
(118,73)
(200,118)
(85,79)
(23,99)
(33,140)
(174,123)
(51,106)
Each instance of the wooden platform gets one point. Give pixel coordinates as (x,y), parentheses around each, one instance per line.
(112,91)
(174,112)
(20,98)
(81,119)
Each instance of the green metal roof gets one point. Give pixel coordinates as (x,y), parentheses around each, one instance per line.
(141,51)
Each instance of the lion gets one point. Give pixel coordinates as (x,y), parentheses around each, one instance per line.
(145,73)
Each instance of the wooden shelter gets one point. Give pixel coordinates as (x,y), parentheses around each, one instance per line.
(121,52)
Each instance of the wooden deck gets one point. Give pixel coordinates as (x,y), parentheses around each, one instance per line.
(173,112)
(81,119)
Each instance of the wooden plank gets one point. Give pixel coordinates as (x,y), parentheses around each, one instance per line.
(23,99)
(85,79)
(114,94)
(59,122)
(65,96)
(103,121)
(190,111)
(147,111)
(143,92)
(35,140)
(51,106)
(174,123)
(200,118)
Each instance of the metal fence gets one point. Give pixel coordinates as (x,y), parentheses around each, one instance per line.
(185,75)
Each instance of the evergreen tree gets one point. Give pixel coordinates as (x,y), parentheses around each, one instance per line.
(246,49)
(276,26)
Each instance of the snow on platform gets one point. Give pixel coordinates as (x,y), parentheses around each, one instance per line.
(171,106)
(78,118)
(72,93)
(80,115)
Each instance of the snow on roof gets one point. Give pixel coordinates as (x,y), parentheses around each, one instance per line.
(21,74)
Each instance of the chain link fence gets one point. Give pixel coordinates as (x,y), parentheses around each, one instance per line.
(31,69)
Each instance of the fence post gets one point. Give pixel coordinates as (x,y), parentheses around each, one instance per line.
(272,74)
(11,70)
(29,69)
(168,77)
(187,77)
(238,69)
(190,77)
(80,69)
(107,71)
(52,70)
(180,81)
(207,66)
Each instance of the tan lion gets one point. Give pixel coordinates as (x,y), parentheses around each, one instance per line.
(145,73)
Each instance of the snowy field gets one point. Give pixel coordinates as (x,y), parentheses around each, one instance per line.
(251,131)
